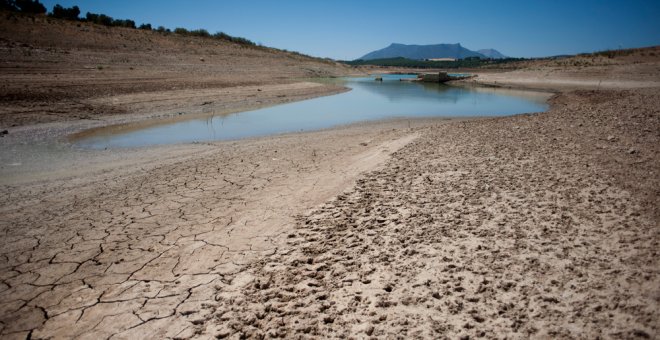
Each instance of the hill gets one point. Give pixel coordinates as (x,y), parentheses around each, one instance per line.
(420,52)
(430,64)
(492,53)
(53,68)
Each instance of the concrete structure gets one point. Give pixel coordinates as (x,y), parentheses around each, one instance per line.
(441,59)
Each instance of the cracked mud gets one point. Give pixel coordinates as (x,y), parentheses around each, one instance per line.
(146,253)
(541,225)
(502,227)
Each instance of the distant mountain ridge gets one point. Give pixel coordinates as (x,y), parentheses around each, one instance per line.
(492,53)
(420,52)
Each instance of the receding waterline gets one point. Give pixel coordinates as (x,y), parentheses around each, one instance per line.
(368,100)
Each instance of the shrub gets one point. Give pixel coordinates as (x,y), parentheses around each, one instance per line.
(181,30)
(9,5)
(200,33)
(222,36)
(100,19)
(238,40)
(65,13)
(123,23)
(29,6)
(145,27)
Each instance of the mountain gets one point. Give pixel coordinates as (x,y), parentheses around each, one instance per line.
(419,52)
(492,53)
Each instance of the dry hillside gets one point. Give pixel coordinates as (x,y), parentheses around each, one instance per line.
(51,67)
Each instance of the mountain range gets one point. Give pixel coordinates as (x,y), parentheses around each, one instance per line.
(420,52)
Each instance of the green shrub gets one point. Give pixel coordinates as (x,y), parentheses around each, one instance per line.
(238,40)
(66,13)
(29,6)
(181,30)
(200,33)
(123,23)
(100,19)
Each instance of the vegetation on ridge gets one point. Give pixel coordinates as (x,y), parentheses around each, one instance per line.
(73,13)
(471,62)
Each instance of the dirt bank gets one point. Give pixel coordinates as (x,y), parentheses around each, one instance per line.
(56,70)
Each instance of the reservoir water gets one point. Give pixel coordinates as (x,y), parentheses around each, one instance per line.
(367,100)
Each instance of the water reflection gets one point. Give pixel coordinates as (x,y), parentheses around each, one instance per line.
(368,100)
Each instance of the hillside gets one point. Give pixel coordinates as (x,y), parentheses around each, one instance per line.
(50,67)
(419,52)
(492,53)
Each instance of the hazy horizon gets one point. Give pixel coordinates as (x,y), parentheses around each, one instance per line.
(345,30)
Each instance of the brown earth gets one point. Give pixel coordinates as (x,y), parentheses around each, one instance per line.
(542,225)
(52,70)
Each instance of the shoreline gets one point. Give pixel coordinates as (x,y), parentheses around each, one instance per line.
(22,164)
(280,233)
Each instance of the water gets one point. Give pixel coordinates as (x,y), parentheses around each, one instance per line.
(368,100)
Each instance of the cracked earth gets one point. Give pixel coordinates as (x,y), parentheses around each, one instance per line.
(541,225)
(145,252)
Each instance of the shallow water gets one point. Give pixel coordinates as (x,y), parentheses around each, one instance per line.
(368,100)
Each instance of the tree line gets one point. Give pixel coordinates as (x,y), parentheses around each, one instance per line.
(73,14)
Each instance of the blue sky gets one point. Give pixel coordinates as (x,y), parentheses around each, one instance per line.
(344,29)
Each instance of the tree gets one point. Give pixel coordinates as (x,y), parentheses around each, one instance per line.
(66,13)
(145,27)
(181,30)
(30,6)
(100,19)
(123,23)
(9,5)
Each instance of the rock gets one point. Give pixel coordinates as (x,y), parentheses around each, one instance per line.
(201,59)
(5,132)
(632,151)
(611,138)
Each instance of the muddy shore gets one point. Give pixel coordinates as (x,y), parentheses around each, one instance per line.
(534,225)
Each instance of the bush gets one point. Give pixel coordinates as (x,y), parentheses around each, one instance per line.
(200,33)
(123,23)
(238,40)
(221,36)
(65,13)
(8,5)
(25,6)
(181,30)
(30,6)
(145,27)
(100,19)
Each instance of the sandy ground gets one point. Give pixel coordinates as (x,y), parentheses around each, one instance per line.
(541,225)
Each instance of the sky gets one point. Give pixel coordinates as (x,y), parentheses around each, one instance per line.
(346,30)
